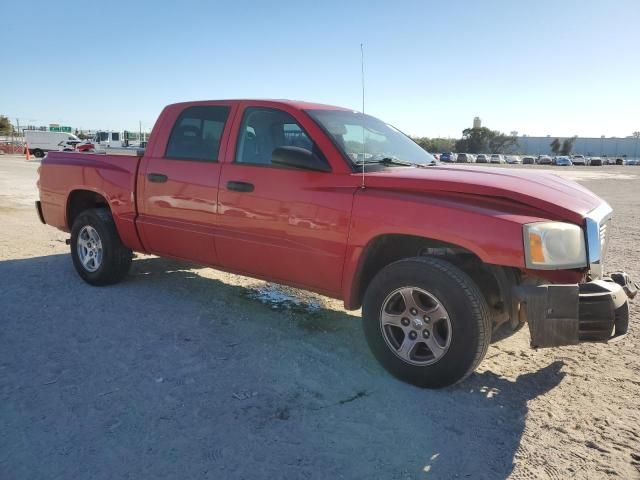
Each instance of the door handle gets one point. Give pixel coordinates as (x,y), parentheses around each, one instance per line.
(240,186)
(157,177)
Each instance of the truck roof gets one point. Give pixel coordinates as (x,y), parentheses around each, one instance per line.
(298,104)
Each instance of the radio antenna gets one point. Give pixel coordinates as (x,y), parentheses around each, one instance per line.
(364,149)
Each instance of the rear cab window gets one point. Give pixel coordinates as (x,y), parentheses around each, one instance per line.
(197,132)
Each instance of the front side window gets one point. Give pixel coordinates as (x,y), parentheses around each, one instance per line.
(265,129)
(115,136)
(363,138)
(196,134)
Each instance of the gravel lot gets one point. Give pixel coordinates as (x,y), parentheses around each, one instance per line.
(186,372)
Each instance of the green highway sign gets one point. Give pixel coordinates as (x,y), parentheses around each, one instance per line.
(58,128)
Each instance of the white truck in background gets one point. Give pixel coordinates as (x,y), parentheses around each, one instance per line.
(104,140)
(40,142)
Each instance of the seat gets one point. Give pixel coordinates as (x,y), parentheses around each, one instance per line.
(187,142)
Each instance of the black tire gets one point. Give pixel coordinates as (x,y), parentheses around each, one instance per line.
(466,307)
(116,258)
(38,153)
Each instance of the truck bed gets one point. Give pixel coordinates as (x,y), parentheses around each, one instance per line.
(111,176)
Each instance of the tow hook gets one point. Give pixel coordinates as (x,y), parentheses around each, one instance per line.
(628,285)
(67,241)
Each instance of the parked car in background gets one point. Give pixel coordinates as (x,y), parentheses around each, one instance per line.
(86,146)
(465,158)
(596,161)
(544,160)
(513,159)
(578,160)
(482,158)
(562,161)
(632,161)
(448,157)
(528,160)
(619,161)
(497,158)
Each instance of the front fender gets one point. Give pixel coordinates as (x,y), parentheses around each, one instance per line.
(487,227)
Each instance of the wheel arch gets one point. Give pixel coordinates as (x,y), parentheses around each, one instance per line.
(495,282)
(80,200)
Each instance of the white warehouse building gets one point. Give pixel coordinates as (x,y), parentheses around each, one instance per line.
(599,146)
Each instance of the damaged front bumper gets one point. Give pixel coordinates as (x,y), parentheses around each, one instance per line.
(596,311)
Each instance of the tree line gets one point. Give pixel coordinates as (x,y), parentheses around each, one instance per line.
(5,126)
(485,140)
(562,148)
(474,140)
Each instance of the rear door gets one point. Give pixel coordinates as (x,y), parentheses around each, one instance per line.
(284,224)
(178,183)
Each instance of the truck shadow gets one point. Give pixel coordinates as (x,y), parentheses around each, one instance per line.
(173,374)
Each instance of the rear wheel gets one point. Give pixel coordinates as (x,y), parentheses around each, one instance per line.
(426,322)
(98,254)
(38,153)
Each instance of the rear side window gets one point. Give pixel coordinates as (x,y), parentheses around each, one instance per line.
(196,134)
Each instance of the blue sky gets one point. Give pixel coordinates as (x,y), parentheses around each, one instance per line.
(536,67)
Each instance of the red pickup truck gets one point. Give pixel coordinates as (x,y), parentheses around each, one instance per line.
(337,202)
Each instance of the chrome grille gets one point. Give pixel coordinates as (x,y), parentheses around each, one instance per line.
(598,233)
(604,237)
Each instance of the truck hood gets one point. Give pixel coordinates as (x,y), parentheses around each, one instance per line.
(544,191)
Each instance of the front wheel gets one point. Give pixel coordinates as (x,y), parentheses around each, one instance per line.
(426,321)
(98,254)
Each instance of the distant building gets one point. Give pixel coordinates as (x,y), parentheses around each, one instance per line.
(597,147)
(477,123)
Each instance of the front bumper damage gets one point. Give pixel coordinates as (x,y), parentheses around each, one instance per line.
(596,311)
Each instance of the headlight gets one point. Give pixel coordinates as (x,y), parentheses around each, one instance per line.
(554,246)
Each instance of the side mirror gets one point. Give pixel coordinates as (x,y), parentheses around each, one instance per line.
(297,157)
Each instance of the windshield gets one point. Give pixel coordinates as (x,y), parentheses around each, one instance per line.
(381,141)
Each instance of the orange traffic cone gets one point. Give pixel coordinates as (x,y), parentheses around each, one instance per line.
(26,149)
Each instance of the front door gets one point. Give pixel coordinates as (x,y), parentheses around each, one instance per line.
(284,224)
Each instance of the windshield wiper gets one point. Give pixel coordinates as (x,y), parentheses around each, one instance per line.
(385,161)
(394,161)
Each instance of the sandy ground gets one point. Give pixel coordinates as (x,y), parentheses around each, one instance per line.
(183,372)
